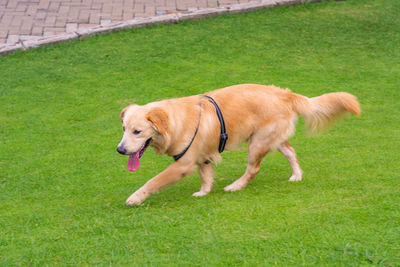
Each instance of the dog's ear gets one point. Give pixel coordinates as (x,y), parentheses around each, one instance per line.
(159,118)
(121,116)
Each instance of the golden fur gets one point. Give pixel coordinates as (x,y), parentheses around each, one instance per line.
(265,116)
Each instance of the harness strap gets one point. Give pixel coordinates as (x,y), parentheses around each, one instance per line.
(223,137)
(180,155)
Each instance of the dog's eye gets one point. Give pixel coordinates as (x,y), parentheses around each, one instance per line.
(136,132)
(123,128)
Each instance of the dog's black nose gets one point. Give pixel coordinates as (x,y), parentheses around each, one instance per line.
(121,150)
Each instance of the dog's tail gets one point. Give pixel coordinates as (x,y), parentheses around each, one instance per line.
(322,111)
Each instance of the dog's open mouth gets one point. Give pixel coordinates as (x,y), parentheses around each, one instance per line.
(134,159)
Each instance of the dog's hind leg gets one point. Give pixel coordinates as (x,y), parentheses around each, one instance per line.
(257,149)
(290,154)
(207,177)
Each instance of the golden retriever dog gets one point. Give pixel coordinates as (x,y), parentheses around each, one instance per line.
(189,129)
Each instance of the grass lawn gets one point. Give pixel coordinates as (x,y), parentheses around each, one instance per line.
(63,186)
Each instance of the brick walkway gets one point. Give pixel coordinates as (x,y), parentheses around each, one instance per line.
(25,19)
(30,23)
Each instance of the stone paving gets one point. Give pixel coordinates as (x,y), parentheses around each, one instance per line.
(30,23)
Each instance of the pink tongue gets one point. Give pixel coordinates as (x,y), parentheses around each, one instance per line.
(133,162)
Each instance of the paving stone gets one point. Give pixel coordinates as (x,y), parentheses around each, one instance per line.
(3,33)
(12,4)
(12,39)
(61,22)
(31,10)
(71,27)
(50,21)
(86,25)
(95,18)
(26,25)
(48,33)
(54,6)
(21,8)
(41,15)
(63,9)
(212,3)
(105,22)
(37,31)
(16,21)
(44,4)
(6,21)
(13,30)
(96,6)
(83,16)
(28,37)
(161,12)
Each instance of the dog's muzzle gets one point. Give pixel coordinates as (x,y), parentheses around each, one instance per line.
(121,150)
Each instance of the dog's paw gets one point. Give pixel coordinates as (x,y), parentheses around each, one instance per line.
(199,194)
(294,178)
(234,187)
(134,200)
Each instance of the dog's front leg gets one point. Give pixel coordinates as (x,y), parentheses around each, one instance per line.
(170,175)
(207,178)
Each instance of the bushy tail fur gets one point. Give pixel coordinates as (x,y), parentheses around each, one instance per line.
(322,111)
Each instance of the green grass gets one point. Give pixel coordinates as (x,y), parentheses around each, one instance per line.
(63,185)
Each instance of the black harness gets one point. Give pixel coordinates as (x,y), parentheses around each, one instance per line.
(223,137)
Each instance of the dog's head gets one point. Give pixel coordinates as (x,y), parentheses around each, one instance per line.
(142,126)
